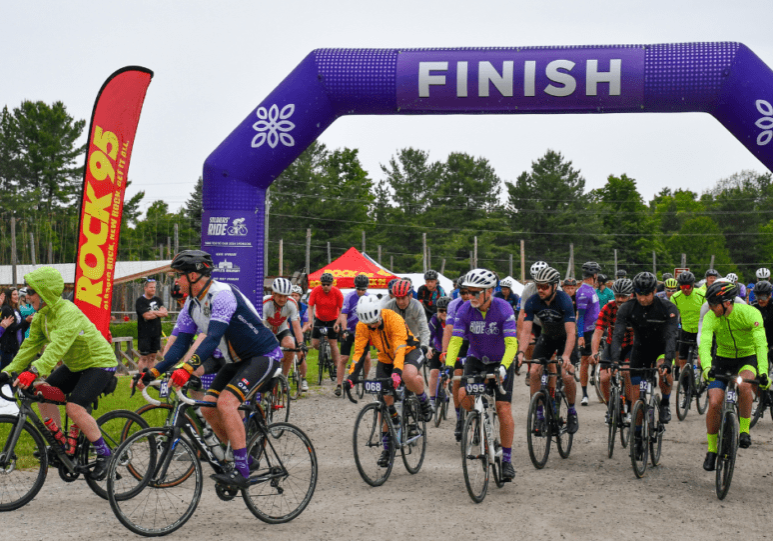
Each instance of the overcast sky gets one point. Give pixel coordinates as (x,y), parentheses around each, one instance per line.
(215,61)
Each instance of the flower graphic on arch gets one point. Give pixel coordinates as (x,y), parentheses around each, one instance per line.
(765,123)
(272,126)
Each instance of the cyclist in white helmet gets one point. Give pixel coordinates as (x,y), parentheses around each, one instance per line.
(528,291)
(761,274)
(281,315)
(733,277)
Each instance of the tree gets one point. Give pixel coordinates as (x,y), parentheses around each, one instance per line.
(699,238)
(194,206)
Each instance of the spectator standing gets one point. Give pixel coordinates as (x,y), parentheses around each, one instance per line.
(150,309)
(26,310)
(12,326)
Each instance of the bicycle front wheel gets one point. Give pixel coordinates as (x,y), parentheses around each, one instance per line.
(563,438)
(440,401)
(276,401)
(613,418)
(683,394)
(702,397)
(656,428)
(160,502)
(596,368)
(414,435)
(625,426)
(727,448)
(23,464)
(371,438)
(639,447)
(537,430)
(758,408)
(475,460)
(286,475)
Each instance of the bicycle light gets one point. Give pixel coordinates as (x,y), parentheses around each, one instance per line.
(739,380)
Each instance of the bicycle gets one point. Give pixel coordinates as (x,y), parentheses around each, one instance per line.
(727,439)
(690,386)
(29,448)
(762,401)
(442,398)
(166,473)
(295,380)
(481,447)
(325,358)
(616,411)
(380,427)
(645,410)
(545,420)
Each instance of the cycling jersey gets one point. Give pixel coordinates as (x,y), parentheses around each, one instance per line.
(436,327)
(705,310)
(350,309)
(393,340)
(492,333)
(528,291)
(429,298)
(553,315)
(513,300)
(279,321)
(654,327)
(303,313)
(742,291)
(414,317)
(605,296)
(689,308)
(606,320)
(587,308)
(328,305)
(750,291)
(767,320)
(739,334)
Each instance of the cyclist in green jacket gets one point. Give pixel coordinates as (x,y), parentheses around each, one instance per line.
(742,349)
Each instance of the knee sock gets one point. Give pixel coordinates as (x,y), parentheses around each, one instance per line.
(103,450)
(240,462)
(744,424)
(666,399)
(712,438)
(423,397)
(507,454)
(385,440)
(458,414)
(584,390)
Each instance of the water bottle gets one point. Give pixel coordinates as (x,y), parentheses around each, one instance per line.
(72,439)
(56,431)
(395,412)
(209,437)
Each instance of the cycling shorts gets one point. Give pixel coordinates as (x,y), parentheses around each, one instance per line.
(586,351)
(83,387)
(331,334)
(434,361)
(414,358)
(475,366)
(684,349)
(547,346)
(245,378)
(606,353)
(149,345)
(733,366)
(646,356)
(286,332)
(347,344)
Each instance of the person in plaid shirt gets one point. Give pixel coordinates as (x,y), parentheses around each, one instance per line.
(623,289)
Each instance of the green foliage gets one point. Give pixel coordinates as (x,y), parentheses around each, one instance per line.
(129,328)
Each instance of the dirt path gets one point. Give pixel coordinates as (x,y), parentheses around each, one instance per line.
(586,496)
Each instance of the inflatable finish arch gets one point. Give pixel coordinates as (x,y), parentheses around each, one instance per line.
(726,80)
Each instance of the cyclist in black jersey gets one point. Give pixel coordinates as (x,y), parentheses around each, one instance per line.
(762,293)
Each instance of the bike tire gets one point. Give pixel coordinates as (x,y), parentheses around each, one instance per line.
(538,431)
(683,394)
(276,401)
(758,409)
(18,488)
(702,399)
(287,449)
(475,459)
(413,445)
(359,388)
(367,443)
(597,382)
(496,466)
(147,451)
(440,401)
(295,378)
(656,430)
(639,463)
(727,447)
(331,367)
(320,364)
(576,372)
(563,438)
(613,418)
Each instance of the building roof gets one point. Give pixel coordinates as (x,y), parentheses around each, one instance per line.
(125,271)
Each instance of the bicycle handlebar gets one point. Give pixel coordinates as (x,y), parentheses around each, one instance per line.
(486,377)
(733,377)
(147,397)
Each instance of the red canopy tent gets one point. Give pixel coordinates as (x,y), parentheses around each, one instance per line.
(349,265)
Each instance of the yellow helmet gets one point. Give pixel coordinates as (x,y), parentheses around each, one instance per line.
(671,283)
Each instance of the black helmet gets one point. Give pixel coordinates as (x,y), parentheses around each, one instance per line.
(620,274)
(667,275)
(460,281)
(602,278)
(711,272)
(686,278)
(589,268)
(622,287)
(442,302)
(644,283)
(431,275)
(721,291)
(763,287)
(193,261)
(361,281)
(570,282)
(326,278)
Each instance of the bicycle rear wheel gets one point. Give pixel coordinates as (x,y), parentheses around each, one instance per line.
(475,460)
(23,466)
(287,467)
(727,448)
(538,431)
(331,367)
(613,413)
(496,466)
(440,401)
(321,363)
(758,408)
(656,429)
(369,441)
(414,435)
(596,368)
(625,427)
(276,402)
(639,448)
(563,438)
(683,394)
(702,397)
(295,378)
(160,504)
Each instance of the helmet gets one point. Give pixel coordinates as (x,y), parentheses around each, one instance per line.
(442,302)
(507,282)
(589,268)
(570,282)
(733,277)
(326,278)
(369,309)
(711,272)
(536,267)
(671,283)
(391,283)
(686,278)
(620,274)
(402,288)
(410,281)
(548,275)
(763,287)
(460,281)
(430,275)
(763,274)
(361,281)
(667,275)
(283,286)
(193,261)
(482,278)
(644,283)
(622,287)
(721,291)
(298,290)
(602,278)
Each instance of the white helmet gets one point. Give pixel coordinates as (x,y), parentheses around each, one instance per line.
(369,309)
(298,290)
(732,277)
(283,286)
(763,274)
(507,282)
(536,267)
(482,278)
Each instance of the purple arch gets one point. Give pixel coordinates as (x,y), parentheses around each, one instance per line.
(726,80)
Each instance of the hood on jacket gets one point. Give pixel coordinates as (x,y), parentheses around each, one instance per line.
(48,283)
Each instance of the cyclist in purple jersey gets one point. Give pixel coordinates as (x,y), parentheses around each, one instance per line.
(453,306)
(348,320)
(587,313)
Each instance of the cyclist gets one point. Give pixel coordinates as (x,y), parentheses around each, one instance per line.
(325,303)
(733,277)
(280,314)
(558,335)
(88,361)
(689,301)
(742,349)
(251,354)
(761,274)
(348,320)
(662,285)
(453,306)
(388,297)
(710,277)
(508,294)
(655,322)
(763,290)
(587,313)
(536,329)
(430,292)
(620,273)
(489,325)
(437,326)
(623,290)
(411,311)
(671,286)
(302,308)
(605,293)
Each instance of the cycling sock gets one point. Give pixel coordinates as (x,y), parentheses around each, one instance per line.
(103,450)
(385,440)
(584,390)
(744,424)
(666,399)
(423,397)
(712,442)
(638,431)
(572,410)
(507,453)
(240,462)
(458,414)
(432,399)
(540,413)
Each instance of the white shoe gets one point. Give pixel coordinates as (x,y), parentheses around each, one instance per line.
(584,401)
(304,386)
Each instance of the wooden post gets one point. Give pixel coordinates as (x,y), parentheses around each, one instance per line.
(711,265)
(391,263)
(523,261)
(511,265)
(654,264)
(684,261)
(615,262)
(570,270)
(169,247)
(379,254)
(50,253)
(363,240)
(429,257)
(329,259)
(472,261)
(308,250)
(423,252)
(176,239)
(13,252)
(443,267)
(475,248)
(32,247)
(281,256)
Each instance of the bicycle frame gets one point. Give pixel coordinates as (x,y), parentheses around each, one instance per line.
(484,401)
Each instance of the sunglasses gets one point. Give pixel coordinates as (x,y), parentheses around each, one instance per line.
(150,280)
(442,311)
(326,285)
(464,292)
(543,287)
(475,294)
(671,289)
(362,289)
(763,297)
(685,286)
